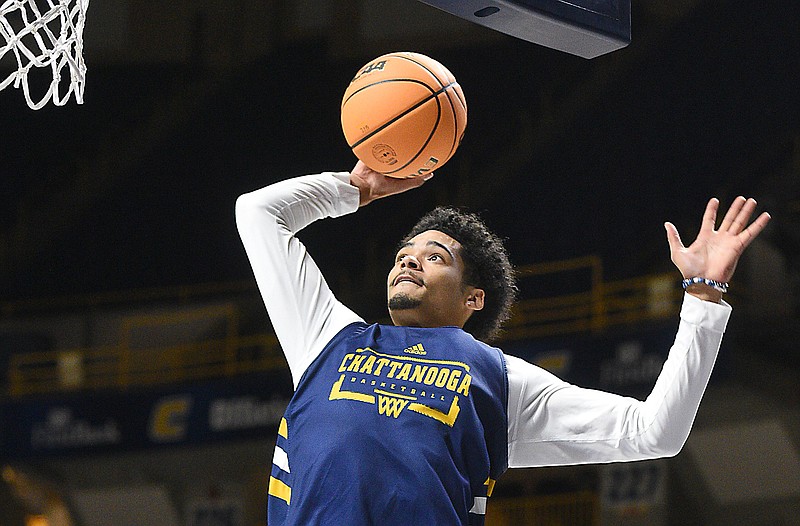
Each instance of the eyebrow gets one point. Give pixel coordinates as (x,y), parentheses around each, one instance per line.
(429,243)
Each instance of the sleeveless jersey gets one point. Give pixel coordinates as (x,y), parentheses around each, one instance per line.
(392,426)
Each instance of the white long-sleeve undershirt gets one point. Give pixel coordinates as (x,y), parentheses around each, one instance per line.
(550,422)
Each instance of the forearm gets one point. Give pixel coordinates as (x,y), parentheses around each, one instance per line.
(295,203)
(673,403)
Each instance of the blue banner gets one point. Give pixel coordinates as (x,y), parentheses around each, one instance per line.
(97,422)
(251,407)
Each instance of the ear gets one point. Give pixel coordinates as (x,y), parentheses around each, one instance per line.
(475,299)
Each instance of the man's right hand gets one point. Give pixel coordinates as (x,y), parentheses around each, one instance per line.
(374,185)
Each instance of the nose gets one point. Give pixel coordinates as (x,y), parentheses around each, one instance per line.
(409,261)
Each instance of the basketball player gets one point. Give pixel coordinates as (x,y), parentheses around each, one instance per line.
(411,424)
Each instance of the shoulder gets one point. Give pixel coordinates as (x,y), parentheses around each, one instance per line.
(353,331)
(482,349)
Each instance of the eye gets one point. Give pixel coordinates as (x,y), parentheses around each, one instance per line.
(435,257)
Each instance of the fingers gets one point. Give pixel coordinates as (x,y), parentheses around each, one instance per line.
(738,215)
(751,232)
(743,216)
(710,215)
(406,183)
(736,220)
(416,182)
(732,213)
(673,238)
(419,178)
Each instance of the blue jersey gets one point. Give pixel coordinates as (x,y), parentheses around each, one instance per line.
(392,426)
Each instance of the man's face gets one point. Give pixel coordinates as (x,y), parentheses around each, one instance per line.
(425,286)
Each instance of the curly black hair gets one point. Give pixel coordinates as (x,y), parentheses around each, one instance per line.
(486,262)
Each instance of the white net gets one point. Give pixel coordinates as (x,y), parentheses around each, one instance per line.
(45,38)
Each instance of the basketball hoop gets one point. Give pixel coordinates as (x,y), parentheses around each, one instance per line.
(44,34)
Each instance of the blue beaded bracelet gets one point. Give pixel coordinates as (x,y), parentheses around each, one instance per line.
(716,285)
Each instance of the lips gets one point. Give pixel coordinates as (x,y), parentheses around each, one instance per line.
(407,277)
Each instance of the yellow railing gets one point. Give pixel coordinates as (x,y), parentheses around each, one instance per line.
(596,306)
(589,305)
(116,367)
(571,509)
(178,295)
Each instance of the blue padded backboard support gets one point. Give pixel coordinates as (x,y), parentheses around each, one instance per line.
(587,28)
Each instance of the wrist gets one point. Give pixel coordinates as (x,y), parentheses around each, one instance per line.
(364,192)
(704,292)
(705,289)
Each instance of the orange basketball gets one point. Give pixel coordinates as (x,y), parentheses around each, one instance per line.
(404,114)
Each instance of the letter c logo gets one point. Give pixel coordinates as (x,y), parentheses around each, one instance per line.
(169,419)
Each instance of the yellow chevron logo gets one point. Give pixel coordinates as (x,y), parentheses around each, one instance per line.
(391,406)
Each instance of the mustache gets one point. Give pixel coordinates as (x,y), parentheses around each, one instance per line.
(414,277)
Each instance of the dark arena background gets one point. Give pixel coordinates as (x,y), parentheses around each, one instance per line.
(142,383)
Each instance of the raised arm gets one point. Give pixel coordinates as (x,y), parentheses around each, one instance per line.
(303,310)
(301,306)
(553,423)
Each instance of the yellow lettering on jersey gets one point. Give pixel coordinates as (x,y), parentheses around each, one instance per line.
(441,379)
(279,489)
(452,383)
(448,418)
(464,387)
(356,363)
(419,373)
(412,359)
(431,376)
(338,394)
(404,372)
(392,368)
(404,397)
(381,363)
(347,358)
(367,367)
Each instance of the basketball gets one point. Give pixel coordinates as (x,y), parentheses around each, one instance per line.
(404,114)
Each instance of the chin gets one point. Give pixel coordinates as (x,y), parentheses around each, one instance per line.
(402,301)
